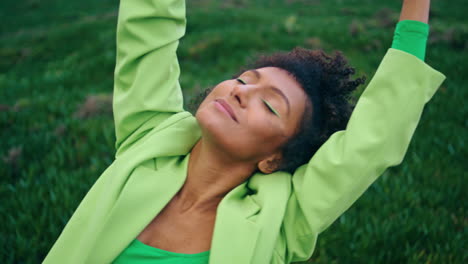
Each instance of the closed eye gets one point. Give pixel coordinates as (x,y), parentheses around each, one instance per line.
(269,107)
(241,81)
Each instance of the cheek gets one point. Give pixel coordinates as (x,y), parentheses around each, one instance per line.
(264,134)
(203,111)
(220,90)
(263,125)
(253,140)
(215,125)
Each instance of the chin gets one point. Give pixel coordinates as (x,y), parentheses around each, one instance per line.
(219,133)
(211,126)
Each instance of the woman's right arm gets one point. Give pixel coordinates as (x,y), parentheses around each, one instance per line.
(146,85)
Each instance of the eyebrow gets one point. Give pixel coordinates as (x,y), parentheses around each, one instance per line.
(273,88)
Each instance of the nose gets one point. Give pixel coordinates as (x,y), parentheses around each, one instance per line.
(242,93)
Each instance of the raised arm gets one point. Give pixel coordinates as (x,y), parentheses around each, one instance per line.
(377,137)
(146,89)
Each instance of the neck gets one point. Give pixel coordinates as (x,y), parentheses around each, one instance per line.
(211,175)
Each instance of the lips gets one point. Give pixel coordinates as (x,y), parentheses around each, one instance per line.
(226,108)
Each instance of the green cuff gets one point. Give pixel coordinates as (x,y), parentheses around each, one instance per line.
(411,37)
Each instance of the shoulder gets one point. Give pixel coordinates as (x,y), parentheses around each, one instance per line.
(173,136)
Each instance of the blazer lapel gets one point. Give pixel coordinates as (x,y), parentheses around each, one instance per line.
(145,191)
(144,195)
(235,236)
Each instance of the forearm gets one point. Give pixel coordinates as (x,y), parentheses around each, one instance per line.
(147,70)
(417,10)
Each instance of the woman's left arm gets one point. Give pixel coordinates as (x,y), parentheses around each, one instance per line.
(412,31)
(417,10)
(377,137)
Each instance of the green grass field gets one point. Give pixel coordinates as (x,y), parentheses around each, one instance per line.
(57,134)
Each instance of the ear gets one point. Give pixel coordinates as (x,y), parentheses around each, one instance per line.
(271,163)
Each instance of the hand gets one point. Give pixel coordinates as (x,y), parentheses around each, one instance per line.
(415,10)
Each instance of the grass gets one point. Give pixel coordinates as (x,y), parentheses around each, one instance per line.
(56,68)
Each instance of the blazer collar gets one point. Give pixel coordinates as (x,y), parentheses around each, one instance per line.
(144,195)
(235,236)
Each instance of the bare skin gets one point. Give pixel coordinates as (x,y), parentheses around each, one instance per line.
(171,231)
(216,165)
(197,200)
(415,10)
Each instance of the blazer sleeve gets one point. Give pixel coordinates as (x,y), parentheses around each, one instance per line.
(376,137)
(146,79)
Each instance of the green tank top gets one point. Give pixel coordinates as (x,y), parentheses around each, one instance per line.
(139,253)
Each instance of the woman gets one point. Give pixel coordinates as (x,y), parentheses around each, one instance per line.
(213,188)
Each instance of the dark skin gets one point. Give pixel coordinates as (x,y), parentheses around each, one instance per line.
(235,143)
(233,146)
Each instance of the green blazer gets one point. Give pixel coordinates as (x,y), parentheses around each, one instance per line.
(273,218)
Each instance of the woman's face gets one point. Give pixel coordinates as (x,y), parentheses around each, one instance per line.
(250,118)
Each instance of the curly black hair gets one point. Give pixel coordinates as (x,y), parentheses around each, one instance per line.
(328,82)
